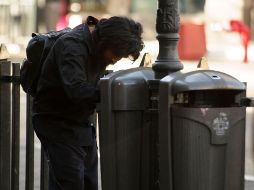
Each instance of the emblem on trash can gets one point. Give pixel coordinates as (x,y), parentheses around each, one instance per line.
(221,124)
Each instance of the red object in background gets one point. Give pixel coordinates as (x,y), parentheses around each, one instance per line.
(244,31)
(63,18)
(62,22)
(192,42)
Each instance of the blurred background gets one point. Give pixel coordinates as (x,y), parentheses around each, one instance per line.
(220,30)
(19,18)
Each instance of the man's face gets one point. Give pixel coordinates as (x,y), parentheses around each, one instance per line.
(110,58)
(105,58)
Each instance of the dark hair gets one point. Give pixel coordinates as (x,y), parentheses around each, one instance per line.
(121,35)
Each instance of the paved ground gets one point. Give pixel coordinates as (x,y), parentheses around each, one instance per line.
(249,184)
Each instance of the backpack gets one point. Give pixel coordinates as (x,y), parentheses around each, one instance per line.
(36,53)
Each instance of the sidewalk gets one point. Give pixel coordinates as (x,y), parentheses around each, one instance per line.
(249,185)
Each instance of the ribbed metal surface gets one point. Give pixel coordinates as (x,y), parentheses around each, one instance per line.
(199,161)
(128,150)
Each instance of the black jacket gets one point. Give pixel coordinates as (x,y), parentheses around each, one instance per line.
(67,92)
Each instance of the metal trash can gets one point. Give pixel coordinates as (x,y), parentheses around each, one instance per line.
(125,130)
(201,131)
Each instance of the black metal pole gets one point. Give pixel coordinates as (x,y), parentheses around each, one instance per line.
(167,26)
(5,125)
(29,184)
(15,126)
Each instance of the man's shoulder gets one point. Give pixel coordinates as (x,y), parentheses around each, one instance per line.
(79,37)
(80,33)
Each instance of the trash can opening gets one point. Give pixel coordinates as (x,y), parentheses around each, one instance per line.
(209,98)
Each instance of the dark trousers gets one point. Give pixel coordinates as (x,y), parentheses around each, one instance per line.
(72,167)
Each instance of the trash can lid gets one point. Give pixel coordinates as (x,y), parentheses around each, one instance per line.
(202,80)
(127,89)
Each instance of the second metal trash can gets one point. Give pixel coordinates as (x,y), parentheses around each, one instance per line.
(201,131)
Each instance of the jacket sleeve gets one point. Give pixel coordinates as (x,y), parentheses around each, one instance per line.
(71,62)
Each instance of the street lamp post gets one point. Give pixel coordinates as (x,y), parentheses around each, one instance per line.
(167,26)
